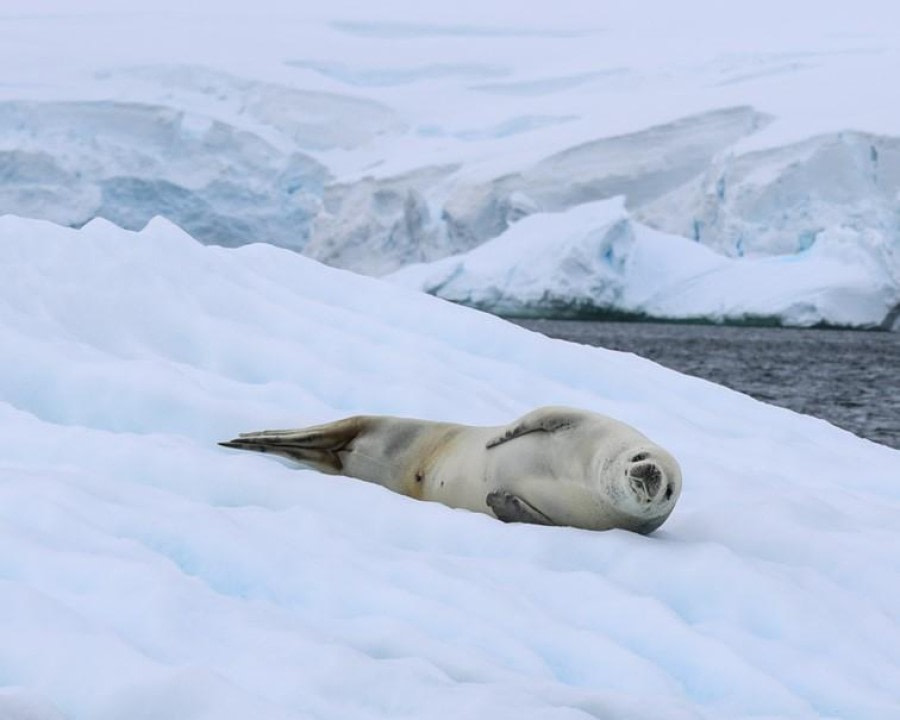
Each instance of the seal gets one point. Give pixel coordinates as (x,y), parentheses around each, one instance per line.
(553,466)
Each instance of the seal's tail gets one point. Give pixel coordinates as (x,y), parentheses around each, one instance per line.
(318,447)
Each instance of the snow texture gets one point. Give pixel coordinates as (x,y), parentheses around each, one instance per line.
(373,138)
(147,573)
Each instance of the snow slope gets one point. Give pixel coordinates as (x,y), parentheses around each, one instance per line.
(595,259)
(147,573)
(375,137)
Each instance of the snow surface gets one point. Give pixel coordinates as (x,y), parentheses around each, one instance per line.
(147,573)
(372,136)
(595,258)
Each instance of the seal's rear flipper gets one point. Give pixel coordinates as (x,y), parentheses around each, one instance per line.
(318,447)
(511,508)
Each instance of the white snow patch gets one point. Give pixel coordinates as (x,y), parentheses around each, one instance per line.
(147,573)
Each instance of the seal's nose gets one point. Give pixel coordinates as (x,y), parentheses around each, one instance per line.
(646,479)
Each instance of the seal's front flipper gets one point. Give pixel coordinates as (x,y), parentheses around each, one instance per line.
(511,508)
(318,447)
(546,419)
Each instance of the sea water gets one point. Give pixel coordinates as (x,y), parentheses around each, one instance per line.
(850,378)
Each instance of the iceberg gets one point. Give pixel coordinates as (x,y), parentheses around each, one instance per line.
(148,573)
(596,260)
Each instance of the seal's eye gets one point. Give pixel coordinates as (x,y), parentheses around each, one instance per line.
(669,492)
(640,456)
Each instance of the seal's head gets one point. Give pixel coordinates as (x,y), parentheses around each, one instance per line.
(645,484)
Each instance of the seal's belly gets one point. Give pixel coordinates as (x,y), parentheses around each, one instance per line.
(466,471)
(460,475)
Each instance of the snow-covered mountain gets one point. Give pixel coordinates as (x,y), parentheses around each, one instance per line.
(147,573)
(372,138)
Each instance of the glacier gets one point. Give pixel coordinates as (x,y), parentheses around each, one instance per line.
(71,162)
(376,140)
(147,573)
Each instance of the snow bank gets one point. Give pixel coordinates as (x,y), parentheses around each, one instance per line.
(594,259)
(148,573)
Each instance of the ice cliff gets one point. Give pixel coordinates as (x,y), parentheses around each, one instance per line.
(596,260)
(71,162)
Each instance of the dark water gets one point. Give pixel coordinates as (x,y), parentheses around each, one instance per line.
(851,379)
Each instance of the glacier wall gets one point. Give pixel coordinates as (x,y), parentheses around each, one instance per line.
(266,175)
(684,178)
(640,166)
(837,192)
(783,200)
(70,162)
(448,214)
